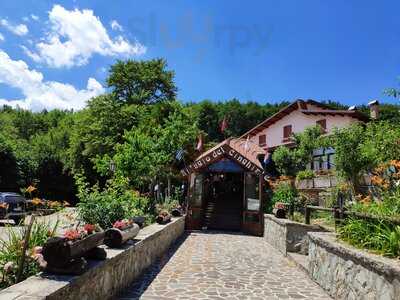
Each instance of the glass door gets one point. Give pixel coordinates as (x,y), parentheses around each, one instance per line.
(194,218)
(252,204)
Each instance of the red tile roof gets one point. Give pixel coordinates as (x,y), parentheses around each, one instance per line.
(302,106)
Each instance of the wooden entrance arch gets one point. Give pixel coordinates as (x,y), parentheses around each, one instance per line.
(225,188)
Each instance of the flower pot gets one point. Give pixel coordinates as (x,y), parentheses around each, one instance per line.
(163,219)
(60,252)
(139,220)
(176,212)
(116,238)
(279,213)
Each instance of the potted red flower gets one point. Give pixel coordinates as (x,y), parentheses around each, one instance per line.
(279,210)
(122,231)
(60,253)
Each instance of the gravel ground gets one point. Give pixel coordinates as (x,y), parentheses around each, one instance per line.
(66,218)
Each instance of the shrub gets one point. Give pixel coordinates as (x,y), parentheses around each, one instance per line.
(11,251)
(305,174)
(379,236)
(284,192)
(290,161)
(115,202)
(168,205)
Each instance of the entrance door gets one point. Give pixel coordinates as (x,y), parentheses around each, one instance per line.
(253,221)
(224,201)
(194,220)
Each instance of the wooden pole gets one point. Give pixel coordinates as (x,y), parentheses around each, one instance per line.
(336,216)
(24,248)
(307,215)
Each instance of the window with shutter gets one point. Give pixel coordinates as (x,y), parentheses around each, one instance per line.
(262,140)
(322,123)
(287,131)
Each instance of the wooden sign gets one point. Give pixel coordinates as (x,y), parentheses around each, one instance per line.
(219,153)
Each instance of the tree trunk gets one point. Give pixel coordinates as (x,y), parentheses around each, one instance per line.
(115,238)
(59,252)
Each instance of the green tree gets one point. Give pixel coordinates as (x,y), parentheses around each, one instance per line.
(142,82)
(290,161)
(350,160)
(381,143)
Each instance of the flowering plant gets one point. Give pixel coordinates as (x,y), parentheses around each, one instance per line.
(72,234)
(37,201)
(122,224)
(386,176)
(89,228)
(4,205)
(279,205)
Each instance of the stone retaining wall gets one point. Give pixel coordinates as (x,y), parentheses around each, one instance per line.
(286,235)
(104,279)
(349,273)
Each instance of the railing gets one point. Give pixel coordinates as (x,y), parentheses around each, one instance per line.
(340,213)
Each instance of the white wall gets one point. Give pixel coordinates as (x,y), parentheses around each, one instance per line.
(300,121)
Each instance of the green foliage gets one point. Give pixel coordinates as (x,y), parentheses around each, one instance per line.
(168,205)
(286,161)
(149,151)
(359,149)
(290,161)
(11,251)
(115,202)
(381,143)
(305,174)
(350,160)
(379,236)
(241,116)
(142,82)
(284,192)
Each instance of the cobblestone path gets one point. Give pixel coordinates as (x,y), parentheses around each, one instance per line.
(215,265)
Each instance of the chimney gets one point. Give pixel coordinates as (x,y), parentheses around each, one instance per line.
(374,109)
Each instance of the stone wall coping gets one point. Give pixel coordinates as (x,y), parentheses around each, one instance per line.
(41,285)
(287,222)
(390,268)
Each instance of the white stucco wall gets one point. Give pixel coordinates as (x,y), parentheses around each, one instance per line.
(300,121)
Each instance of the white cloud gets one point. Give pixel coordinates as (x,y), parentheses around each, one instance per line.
(1,37)
(34,17)
(40,94)
(75,35)
(116,26)
(18,29)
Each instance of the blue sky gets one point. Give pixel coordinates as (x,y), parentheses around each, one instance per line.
(56,54)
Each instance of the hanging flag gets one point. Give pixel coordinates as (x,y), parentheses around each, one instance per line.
(179,154)
(267,158)
(224,125)
(199,146)
(246,145)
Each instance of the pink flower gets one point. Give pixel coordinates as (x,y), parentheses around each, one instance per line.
(89,228)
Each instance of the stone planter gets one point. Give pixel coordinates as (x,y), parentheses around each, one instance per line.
(322,182)
(305,184)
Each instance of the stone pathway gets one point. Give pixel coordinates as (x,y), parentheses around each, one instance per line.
(216,265)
